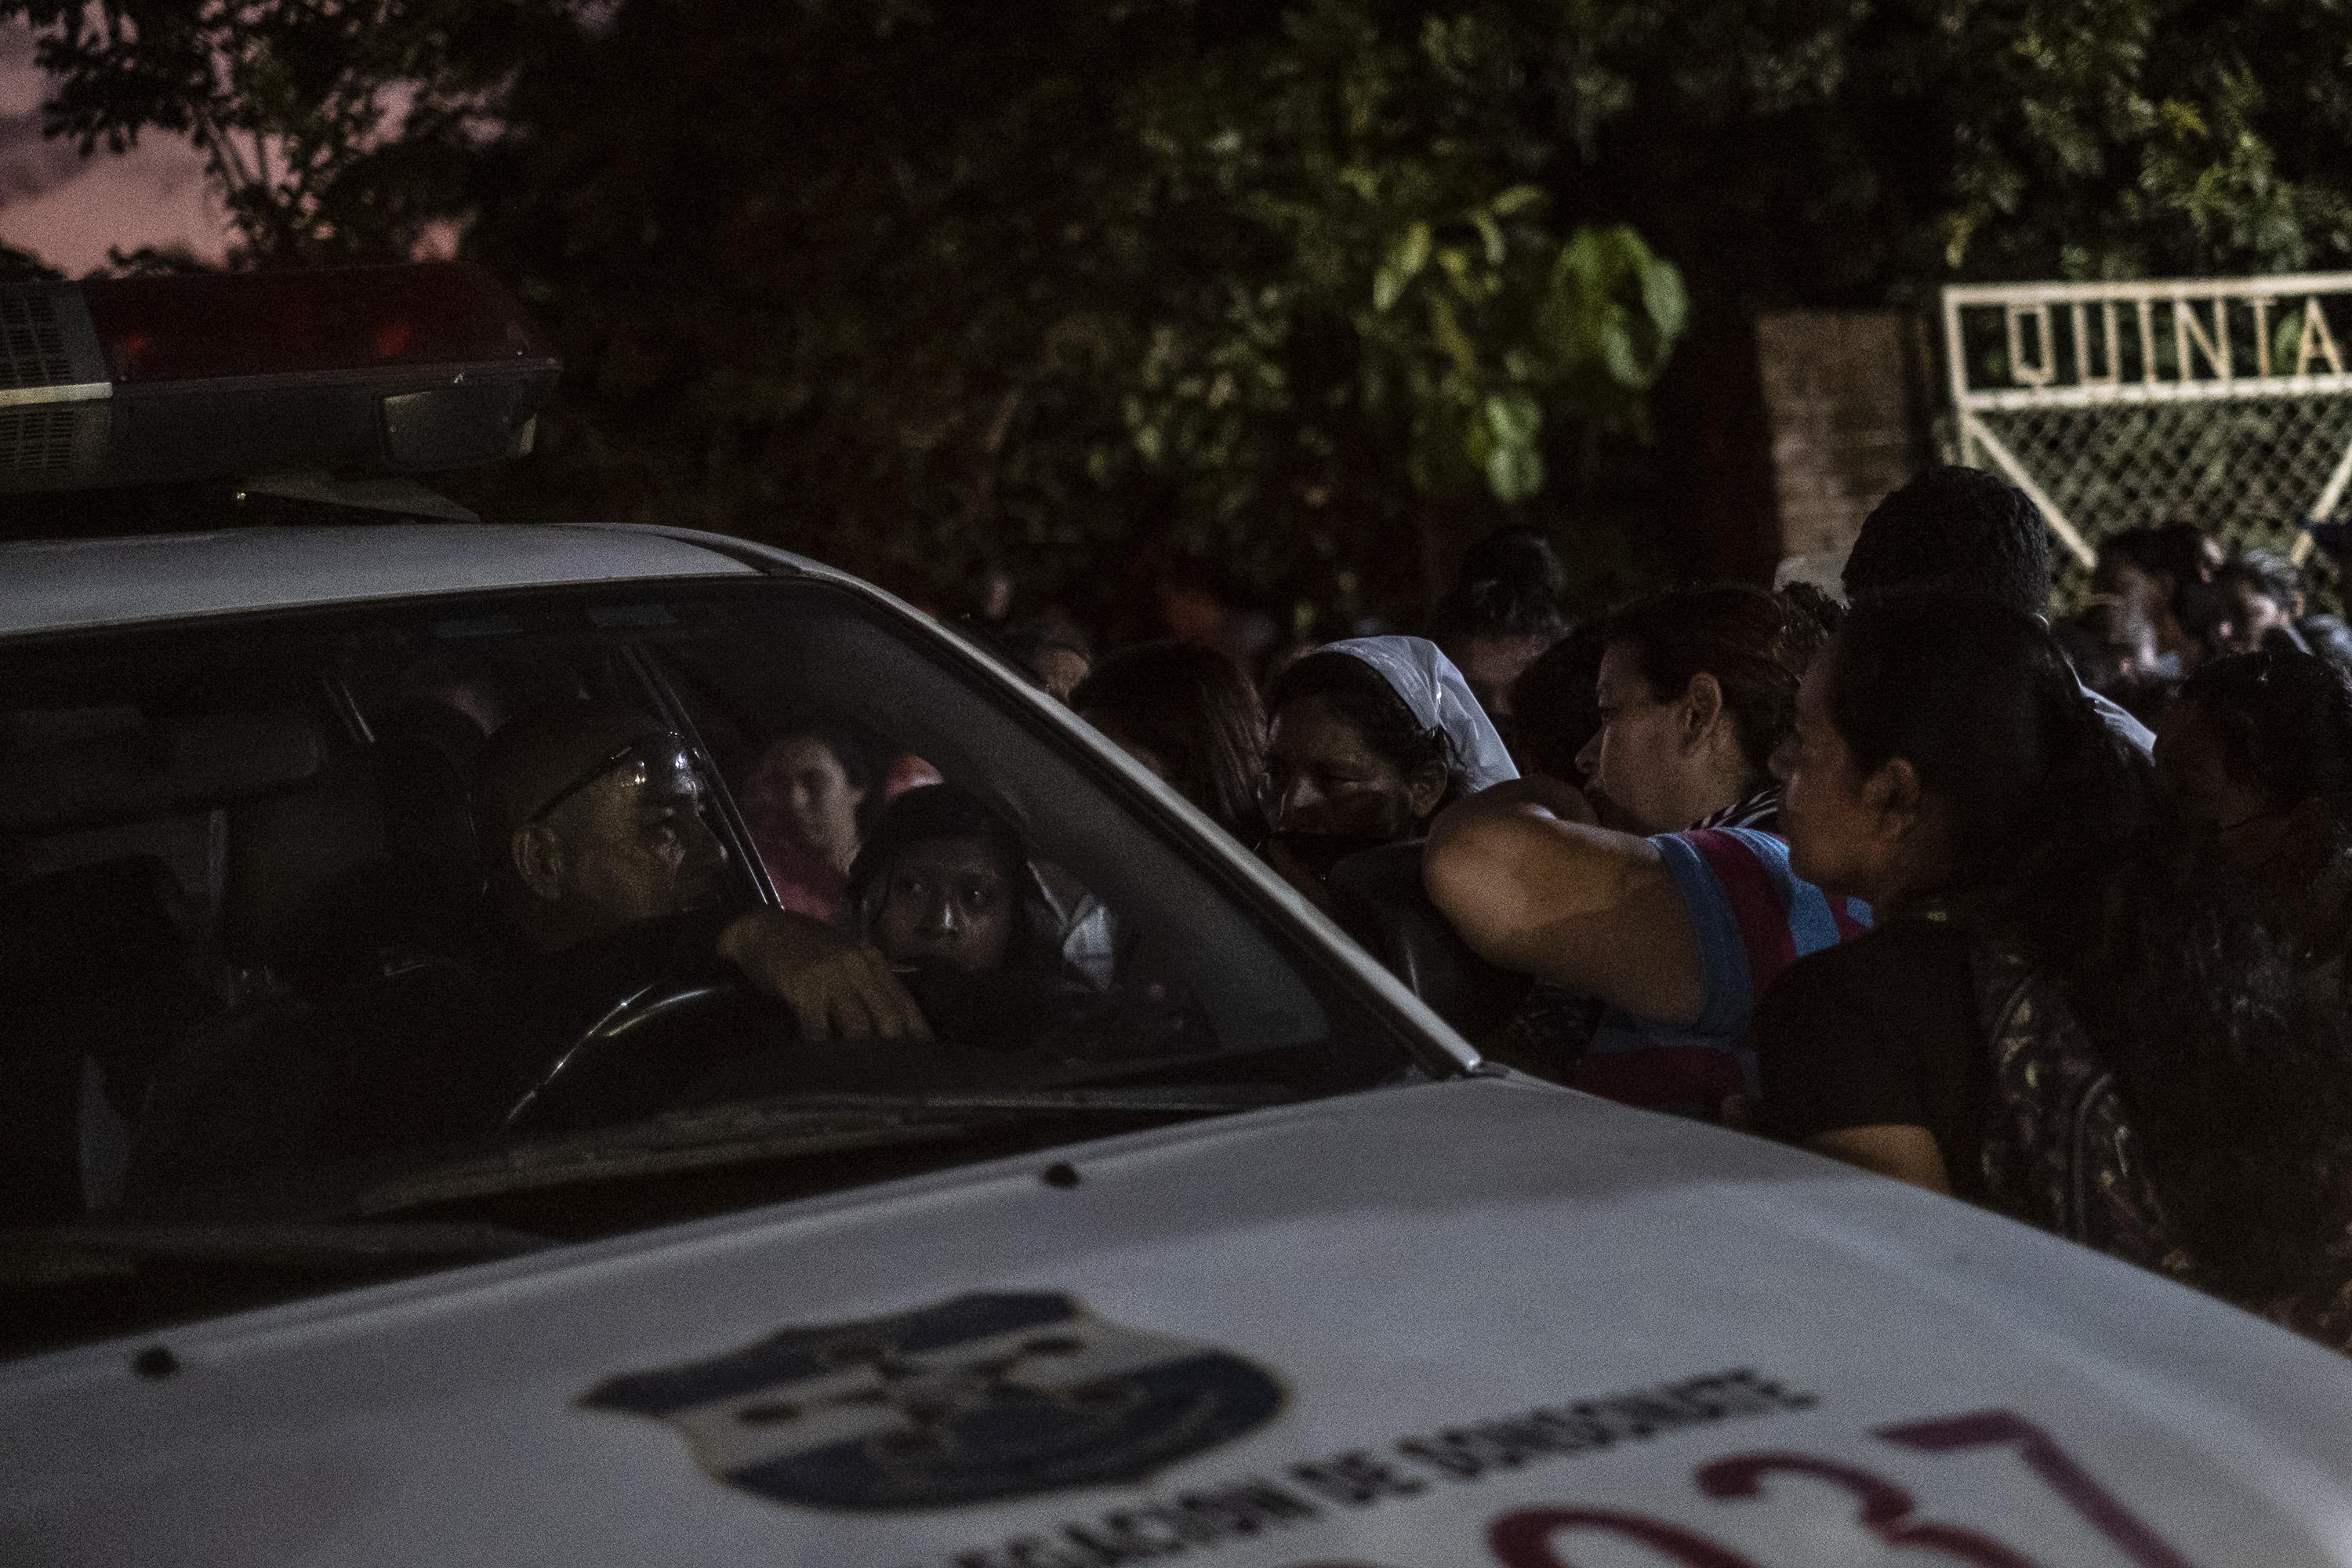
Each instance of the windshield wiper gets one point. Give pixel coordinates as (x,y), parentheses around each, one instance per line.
(796,1128)
(58,1254)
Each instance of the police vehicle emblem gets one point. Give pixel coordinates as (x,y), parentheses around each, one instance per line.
(978,1399)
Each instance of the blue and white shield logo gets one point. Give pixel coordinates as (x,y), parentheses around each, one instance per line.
(975,1400)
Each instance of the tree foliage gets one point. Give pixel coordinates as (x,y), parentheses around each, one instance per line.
(1073,280)
(1859,151)
(332,131)
(1304,284)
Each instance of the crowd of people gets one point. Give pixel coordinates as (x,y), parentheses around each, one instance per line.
(2052,917)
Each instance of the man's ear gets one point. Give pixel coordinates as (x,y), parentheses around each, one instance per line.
(538,854)
(1702,705)
(1894,794)
(1424,788)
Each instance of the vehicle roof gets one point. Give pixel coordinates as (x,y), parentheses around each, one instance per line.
(49,585)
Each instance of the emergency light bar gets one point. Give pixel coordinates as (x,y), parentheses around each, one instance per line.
(363,370)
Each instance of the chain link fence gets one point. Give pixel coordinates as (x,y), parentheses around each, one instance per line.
(2225,403)
(2251,473)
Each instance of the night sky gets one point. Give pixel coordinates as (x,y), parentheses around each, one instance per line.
(65,209)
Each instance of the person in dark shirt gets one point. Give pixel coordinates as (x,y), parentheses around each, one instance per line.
(1864,1047)
(2045,916)
(2163,576)
(1369,737)
(1954,530)
(1939,746)
(942,884)
(604,878)
(943,892)
(1557,706)
(2259,746)
(592,830)
(2263,603)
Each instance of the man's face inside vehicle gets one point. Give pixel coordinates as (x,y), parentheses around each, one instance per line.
(948,900)
(803,777)
(629,844)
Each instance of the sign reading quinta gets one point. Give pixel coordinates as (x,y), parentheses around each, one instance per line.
(2057,386)
(2056,344)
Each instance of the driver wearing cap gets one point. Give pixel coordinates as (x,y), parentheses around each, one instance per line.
(604,878)
(593,826)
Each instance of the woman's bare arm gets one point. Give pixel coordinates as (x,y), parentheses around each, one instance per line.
(1534,884)
(1906,1153)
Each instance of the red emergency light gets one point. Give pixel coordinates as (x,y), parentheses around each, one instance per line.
(365,370)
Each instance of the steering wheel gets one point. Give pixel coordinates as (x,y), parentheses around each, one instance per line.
(647,1050)
(708,1038)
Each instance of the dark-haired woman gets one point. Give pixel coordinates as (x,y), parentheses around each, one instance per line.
(1370,738)
(1186,714)
(2258,746)
(1675,928)
(1696,688)
(2065,1012)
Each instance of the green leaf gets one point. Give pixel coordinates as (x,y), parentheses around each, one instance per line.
(1513,417)
(2183,120)
(1515,473)
(1614,308)
(1446,328)
(1518,199)
(1620,356)
(1407,256)
(1664,298)
(1491,233)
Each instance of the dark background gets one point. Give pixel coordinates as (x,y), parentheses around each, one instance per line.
(1312,292)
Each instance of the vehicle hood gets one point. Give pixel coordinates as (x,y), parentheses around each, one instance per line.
(1472,1321)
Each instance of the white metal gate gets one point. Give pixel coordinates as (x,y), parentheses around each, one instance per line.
(2118,405)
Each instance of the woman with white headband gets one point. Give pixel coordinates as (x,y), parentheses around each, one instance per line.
(1370,738)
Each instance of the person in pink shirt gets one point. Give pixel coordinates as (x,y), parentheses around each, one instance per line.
(807,803)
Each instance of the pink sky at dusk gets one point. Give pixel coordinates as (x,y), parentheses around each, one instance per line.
(68,210)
